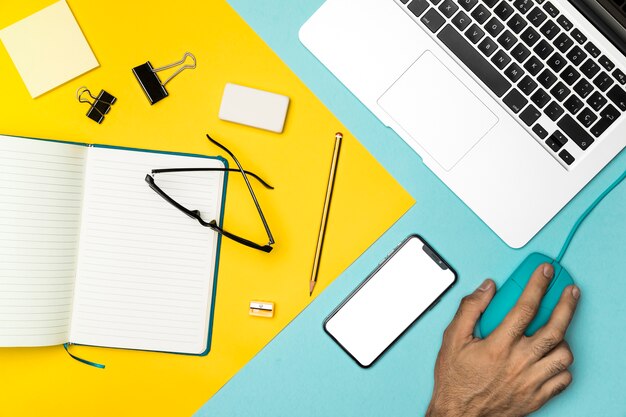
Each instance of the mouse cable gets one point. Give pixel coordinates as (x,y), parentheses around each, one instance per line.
(586,213)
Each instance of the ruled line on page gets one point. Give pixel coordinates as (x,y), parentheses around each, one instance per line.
(140,257)
(41,191)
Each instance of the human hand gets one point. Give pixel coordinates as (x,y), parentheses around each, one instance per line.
(506,374)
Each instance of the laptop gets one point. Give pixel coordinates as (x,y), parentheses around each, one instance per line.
(514,104)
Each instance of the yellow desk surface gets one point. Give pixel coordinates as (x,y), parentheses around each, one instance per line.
(45,381)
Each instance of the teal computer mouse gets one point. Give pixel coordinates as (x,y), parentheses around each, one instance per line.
(507,295)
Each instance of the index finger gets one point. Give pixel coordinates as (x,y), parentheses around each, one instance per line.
(517,320)
(554,330)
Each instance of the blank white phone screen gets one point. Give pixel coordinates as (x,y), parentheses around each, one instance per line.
(407,284)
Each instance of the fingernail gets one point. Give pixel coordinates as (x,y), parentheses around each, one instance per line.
(548,271)
(485,285)
(576,293)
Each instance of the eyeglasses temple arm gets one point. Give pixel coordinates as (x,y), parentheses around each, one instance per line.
(245,177)
(252,174)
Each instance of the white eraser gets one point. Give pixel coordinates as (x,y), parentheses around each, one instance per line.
(252,107)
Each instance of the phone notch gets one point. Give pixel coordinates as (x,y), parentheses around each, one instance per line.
(433,255)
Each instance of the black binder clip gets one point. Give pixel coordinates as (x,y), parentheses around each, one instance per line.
(150,81)
(99,106)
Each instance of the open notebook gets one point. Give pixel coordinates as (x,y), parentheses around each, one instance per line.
(89,254)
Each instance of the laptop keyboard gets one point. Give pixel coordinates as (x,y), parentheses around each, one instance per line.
(560,85)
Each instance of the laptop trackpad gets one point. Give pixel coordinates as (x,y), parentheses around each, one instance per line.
(437,110)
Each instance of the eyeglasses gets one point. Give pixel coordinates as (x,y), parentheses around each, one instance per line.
(212,224)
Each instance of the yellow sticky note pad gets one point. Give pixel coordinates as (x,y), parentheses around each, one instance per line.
(48,48)
(366,201)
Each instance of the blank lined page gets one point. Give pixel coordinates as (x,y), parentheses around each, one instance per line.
(146,270)
(41,187)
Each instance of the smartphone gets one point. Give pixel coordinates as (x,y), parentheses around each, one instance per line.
(409,282)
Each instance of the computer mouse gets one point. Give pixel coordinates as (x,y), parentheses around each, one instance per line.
(509,293)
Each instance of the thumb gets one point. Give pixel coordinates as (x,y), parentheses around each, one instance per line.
(472,306)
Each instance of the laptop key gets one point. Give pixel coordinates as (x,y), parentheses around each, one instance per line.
(590,68)
(592,49)
(565,23)
(551,9)
(587,117)
(530,115)
(575,132)
(553,111)
(488,46)
(556,141)
(543,49)
(468,4)
(603,81)
(494,27)
(540,98)
(550,29)
(533,65)
(515,100)
(448,8)
(596,101)
(560,91)
(618,96)
(490,3)
(501,59)
(417,7)
(606,63)
(619,76)
(474,61)
(474,33)
(607,117)
(576,55)
(520,53)
(507,40)
(514,72)
(517,23)
(583,88)
(563,42)
(610,113)
(523,5)
(566,157)
(559,137)
(481,14)
(573,104)
(503,10)
(530,36)
(556,62)
(570,75)
(433,20)
(435,2)
(536,17)
(540,131)
(527,85)
(578,36)
(547,78)
(461,20)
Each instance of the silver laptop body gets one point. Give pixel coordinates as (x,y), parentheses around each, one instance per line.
(514,105)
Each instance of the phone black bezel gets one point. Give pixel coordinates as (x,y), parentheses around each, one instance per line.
(370,276)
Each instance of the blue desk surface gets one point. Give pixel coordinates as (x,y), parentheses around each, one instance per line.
(303,373)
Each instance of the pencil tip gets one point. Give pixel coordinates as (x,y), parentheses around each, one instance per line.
(311,286)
